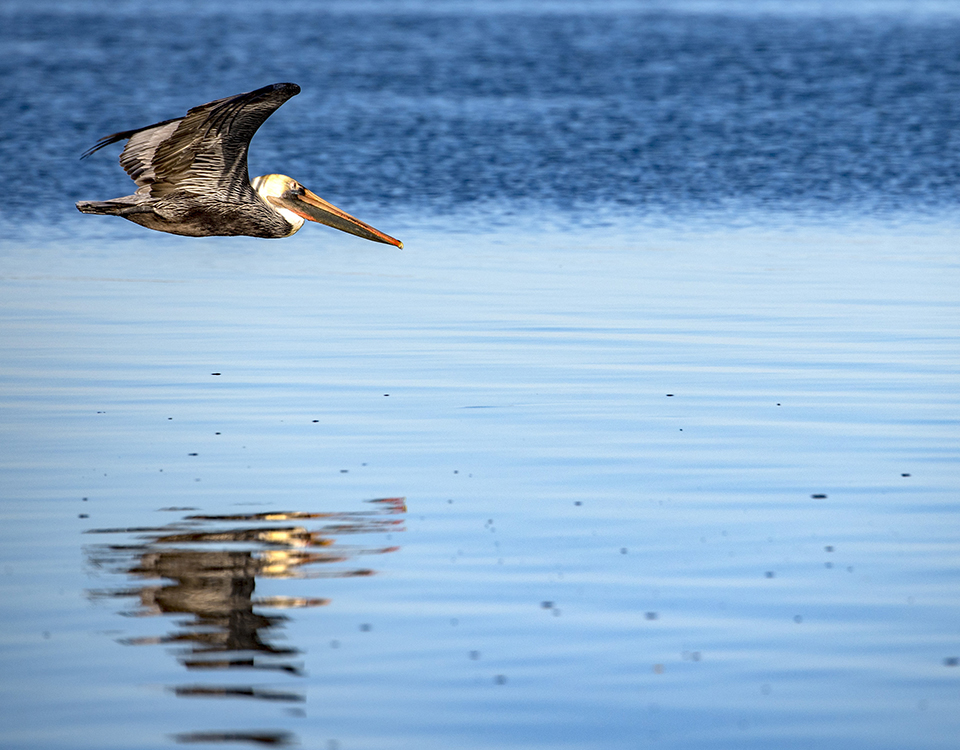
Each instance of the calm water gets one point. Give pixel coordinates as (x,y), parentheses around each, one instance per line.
(647,439)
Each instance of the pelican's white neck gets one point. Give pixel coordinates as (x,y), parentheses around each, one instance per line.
(274,186)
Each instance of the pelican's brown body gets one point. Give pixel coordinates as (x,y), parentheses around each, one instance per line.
(192,177)
(180,214)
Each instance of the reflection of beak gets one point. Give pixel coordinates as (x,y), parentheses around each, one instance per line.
(315,208)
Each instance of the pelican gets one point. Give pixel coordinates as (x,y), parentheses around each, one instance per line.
(192,179)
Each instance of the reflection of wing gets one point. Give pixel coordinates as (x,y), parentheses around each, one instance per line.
(204,152)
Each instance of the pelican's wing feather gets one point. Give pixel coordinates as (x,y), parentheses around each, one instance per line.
(204,152)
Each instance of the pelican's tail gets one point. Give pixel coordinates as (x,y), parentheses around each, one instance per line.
(110,208)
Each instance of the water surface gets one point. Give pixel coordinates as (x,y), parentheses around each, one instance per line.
(647,438)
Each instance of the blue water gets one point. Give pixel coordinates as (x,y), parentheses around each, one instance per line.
(648,437)
(463,104)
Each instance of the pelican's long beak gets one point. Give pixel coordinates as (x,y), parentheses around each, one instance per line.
(313,207)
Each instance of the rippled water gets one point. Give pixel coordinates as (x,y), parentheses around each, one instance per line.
(647,438)
(455,105)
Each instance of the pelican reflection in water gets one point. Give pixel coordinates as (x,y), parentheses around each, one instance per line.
(202,573)
(192,179)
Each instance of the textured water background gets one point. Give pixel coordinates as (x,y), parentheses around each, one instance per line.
(678,452)
(511,106)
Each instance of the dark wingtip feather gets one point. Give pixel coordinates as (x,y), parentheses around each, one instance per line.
(122,136)
(106,141)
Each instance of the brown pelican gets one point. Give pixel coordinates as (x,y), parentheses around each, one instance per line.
(192,179)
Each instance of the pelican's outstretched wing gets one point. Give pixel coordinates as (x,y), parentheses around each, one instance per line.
(204,152)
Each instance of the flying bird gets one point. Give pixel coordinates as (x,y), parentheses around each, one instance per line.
(192,179)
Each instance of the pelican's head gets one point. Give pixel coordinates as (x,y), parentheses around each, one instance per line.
(295,203)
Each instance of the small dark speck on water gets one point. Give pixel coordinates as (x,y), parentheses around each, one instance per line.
(623,550)
(951,661)
(904,475)
(214,373)
(193,454)
(651,615)
(578,502)
(85,499)
(366,628)
(344,471)
(669,395)
(500,679)
(83,515)
(386,394)
(546,605)
(819,496)
(798,618)
(769,574)
(474,655)
(828,548)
